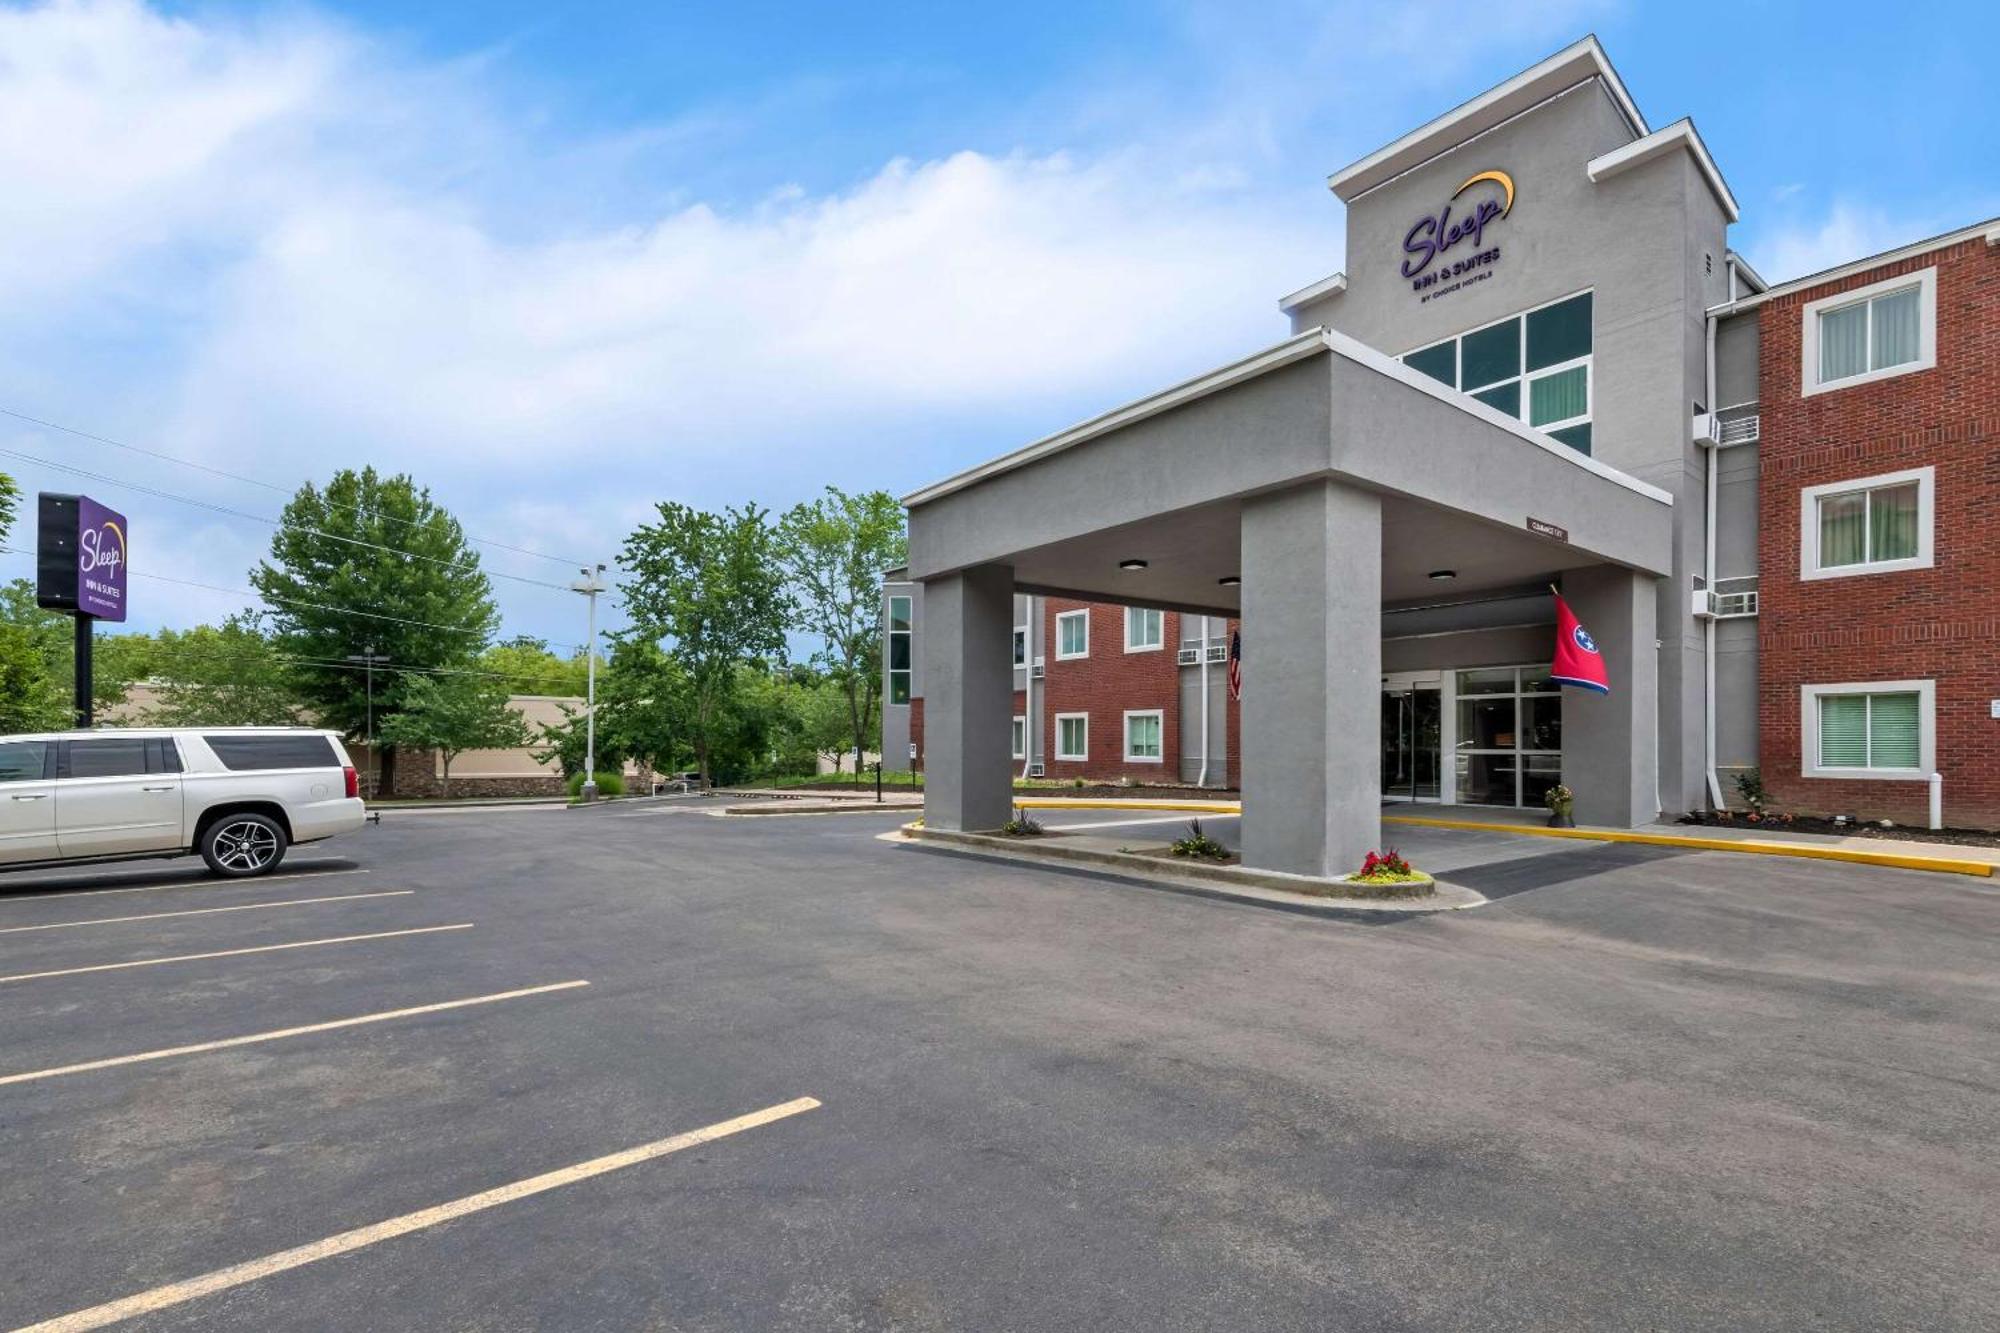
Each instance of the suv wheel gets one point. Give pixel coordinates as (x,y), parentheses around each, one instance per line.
(238,846)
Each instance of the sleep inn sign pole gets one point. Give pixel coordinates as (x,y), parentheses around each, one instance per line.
(82,550)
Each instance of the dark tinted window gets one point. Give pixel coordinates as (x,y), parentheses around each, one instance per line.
(166,756)
(1491,354)
(122,756)
(257,752)
(1439,362)
(1559,332)
(23,761)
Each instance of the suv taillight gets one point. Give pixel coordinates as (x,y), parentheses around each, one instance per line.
(353,782)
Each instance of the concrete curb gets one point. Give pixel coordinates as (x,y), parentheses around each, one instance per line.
(825,808)
(1897,860)
(1264,887)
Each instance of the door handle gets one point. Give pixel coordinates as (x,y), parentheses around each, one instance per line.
(38,796)
(167,788)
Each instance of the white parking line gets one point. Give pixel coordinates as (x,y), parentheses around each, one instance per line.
(231,953)
(1128,823)
(29,896)
(226,1043)
(205,911)
(222,1279)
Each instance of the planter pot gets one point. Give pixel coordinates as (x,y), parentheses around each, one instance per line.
(1352,887)
(1561,819)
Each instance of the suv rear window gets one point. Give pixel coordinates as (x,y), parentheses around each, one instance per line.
(260,752)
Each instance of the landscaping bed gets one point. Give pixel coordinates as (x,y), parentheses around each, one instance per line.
(1961,837)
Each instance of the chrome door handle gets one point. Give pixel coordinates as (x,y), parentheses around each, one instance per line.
(156,789)
(38,796)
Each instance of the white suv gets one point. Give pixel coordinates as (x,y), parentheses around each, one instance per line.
(239,796)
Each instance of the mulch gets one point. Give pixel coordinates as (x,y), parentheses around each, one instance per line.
(1961,837)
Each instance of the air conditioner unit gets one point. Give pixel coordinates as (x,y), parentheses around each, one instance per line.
(1704,605)
(1741,430)
(1038,770)
(1218,653)
(1706,431)
(1037,671)
(1190,657)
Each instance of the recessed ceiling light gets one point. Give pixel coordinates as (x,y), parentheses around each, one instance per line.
(1442,574)
(1131,565)
(1230,580)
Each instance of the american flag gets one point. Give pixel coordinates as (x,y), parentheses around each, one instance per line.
(1236,664)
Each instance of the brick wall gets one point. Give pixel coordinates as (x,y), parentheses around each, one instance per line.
(1941,623)
(1105,685)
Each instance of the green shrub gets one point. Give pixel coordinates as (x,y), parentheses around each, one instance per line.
(608,784)
(1022,825)
(1199,845)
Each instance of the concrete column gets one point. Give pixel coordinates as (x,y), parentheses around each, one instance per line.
(1312,679)
(968,666)
(1611,741)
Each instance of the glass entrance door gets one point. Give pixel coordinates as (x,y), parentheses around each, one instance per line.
(1412,742)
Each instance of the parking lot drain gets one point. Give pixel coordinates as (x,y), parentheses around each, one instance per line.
(222,1279)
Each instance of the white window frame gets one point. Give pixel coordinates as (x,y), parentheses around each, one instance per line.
(1924,281)
(1132,617)
(1020,734)
(1926,692)
(1080,755)
(1810,496)
(1084,616)
(1158,714)
(1020,647)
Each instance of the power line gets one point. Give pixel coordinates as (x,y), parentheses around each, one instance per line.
(317,606)
(272,522)
(255,481)
(180,652)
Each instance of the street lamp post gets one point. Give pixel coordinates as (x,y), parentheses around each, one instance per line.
(590,585)
(369,660)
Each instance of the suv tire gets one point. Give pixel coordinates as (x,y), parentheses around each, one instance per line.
(239,846)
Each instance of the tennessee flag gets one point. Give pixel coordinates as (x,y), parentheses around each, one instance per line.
(1577,660)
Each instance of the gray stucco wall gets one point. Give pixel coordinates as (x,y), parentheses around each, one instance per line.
(1650,244)
(1736,345)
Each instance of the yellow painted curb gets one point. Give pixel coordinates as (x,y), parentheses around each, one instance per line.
(1899,860)
(1189,807)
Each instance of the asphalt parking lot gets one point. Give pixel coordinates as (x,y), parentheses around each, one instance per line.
(1639,1090)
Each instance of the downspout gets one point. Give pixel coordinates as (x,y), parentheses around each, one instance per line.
(1202,779)
(1032,724)
(1708,574)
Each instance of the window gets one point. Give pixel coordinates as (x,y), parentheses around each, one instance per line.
(1072,634)
(1872,729)
(239,753)
(24,761)
(1143,737)
(1072,735)
(1145,629)
(124,756)
(900,647)
(1020,737)
(1872,525)
(1509,742)
(1534,366)
(1020,645)
(1884,329)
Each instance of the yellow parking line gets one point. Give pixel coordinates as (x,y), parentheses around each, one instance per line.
(227,1042)
(29,896)
(206,911)
(222,1279)
(231,953)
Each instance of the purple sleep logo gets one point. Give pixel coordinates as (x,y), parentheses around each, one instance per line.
(101,555)
(1429,237)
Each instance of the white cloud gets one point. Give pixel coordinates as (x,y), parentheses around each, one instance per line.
(1845,233)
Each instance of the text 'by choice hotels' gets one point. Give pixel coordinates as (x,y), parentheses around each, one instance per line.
(1430,237)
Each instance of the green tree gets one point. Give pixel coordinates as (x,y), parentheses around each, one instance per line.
(10,504)
(835,550)
(226,675)
(530,668)
(372,562)
(452,714)
(708,585)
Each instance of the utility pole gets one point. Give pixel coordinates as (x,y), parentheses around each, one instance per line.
(85,685)
(369,659)
(590,585)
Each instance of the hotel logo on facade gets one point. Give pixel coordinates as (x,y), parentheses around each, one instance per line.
(1464,218)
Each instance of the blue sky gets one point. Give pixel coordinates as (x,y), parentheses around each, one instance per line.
(561,262)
